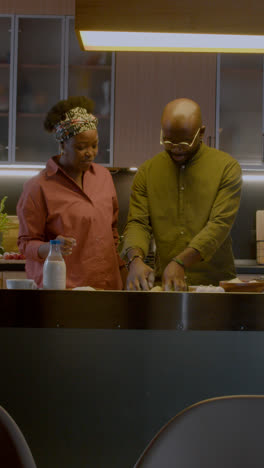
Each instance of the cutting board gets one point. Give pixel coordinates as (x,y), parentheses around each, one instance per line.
(260,236)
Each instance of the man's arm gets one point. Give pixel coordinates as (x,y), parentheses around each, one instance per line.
(137,232)
(137,237)
(222,216)
(209,239)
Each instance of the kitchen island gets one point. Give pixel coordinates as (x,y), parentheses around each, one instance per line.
(91,376)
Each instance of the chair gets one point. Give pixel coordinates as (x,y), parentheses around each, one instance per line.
(221,432)
(14,450)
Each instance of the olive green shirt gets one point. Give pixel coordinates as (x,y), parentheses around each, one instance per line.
(193,205)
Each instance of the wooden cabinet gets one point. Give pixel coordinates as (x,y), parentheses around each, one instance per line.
(144,84)
(4,275)
(41,63)
(240,116)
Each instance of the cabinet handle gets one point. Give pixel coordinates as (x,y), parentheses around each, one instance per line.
(209,140)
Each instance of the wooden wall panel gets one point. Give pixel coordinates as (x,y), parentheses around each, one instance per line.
(189,16)
(145,82)
(37,7)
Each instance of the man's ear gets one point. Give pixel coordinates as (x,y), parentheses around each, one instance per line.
(202,132)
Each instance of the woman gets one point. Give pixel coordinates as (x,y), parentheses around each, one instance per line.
(74,200)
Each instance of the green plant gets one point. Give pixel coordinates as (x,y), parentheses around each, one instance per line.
(4,222)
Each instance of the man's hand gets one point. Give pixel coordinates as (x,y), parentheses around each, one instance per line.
(173,278)
(67,244)
(140,276)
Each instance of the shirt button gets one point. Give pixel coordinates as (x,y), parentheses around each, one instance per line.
(182,232)
(182,188)
(183,167)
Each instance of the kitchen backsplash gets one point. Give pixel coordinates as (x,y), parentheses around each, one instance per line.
(244,229)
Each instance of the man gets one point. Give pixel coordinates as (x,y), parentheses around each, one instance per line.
(187,196)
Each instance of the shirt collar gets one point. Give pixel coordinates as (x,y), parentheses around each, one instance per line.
(52,167)
(190,161)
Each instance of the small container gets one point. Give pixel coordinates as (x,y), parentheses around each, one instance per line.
(54,269)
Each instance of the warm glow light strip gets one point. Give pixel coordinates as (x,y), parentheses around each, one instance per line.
(111,40)
(22,166)
(18,172)
(253,177)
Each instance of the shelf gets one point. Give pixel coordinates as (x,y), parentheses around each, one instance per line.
(4,65)
(38,66)
(31,114)
(3,114)
(91,67)
(43,114)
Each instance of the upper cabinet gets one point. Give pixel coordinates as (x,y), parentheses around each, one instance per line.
(240,107)
(48,65)
(6,25)
(39,85)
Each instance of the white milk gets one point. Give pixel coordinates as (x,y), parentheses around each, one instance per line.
(54,274)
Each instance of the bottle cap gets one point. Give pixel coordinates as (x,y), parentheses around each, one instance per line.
(55,242)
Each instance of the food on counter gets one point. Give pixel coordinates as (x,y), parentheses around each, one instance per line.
(156,289)
(210,289)
(84,288)
(12,256)
(234,280)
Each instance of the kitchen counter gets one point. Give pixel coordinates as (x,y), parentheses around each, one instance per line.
(248,266)
(90,377)
(131,310)
(243,266)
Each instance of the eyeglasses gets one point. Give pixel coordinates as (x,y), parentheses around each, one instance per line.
(182,146)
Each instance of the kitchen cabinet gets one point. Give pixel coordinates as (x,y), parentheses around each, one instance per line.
(10,275)
(46,65)
(144,83)
(239,118)
(6,24)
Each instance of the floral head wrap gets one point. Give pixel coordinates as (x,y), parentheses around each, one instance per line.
(77,120)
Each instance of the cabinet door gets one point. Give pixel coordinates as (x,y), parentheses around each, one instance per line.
(5,51)
(145,83)
(90,75)
(39,85)
(240,106)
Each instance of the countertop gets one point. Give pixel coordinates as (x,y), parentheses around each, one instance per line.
(248,266)
(243,266)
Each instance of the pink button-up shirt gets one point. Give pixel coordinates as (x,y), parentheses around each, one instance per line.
(53,204)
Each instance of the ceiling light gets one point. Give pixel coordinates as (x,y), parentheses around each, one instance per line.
(165,42)
(170,25)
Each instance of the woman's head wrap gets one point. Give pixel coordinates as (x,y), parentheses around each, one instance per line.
(76,121)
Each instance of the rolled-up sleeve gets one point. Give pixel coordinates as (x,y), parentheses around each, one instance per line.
(138,230)
(222,215)
(32,214)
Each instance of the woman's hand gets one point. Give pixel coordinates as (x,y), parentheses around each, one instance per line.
(140,276)
(67,244)
(173,278)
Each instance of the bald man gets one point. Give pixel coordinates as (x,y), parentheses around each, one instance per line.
(187,196)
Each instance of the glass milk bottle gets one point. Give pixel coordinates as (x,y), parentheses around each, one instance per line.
(54,269)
